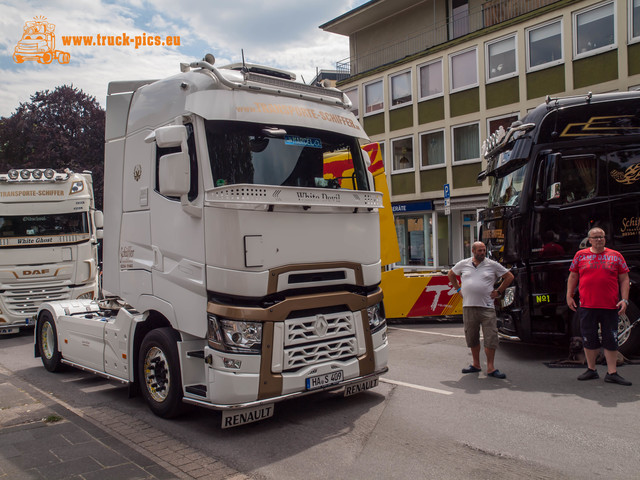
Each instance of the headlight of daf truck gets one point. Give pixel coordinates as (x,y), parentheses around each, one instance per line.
(235,335)
(377,320)
(509,296)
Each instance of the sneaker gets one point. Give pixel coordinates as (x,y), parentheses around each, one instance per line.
(615,378)
(589,375)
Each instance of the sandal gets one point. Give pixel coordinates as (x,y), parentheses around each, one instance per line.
(471,369)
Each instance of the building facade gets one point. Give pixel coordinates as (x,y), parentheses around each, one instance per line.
(429,80)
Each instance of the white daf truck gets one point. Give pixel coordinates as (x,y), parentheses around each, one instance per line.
(239,271)
(48,242)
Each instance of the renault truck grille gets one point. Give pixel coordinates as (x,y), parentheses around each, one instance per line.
(25,301)
(319,338)
(321,352)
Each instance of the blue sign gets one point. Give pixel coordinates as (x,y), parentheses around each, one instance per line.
(412,207)
(447,191)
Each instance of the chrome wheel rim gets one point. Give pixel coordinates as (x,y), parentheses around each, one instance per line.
(47,340)
(156,374)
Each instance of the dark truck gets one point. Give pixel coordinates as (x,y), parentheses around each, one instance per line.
(569,165)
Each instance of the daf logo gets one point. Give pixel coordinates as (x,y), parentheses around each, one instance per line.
(321,327)
(35,272)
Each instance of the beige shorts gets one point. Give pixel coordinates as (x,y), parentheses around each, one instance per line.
(473,318)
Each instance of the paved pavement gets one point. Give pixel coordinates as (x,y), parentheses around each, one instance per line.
(41,437)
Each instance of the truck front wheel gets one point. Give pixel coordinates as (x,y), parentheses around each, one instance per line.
(159,373)
(628,333)
(47,336)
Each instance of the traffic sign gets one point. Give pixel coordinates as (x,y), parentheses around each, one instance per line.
(447,199)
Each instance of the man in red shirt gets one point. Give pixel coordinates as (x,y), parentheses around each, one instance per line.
(603,278)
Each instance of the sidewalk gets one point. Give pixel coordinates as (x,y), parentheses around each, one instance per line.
(42,438)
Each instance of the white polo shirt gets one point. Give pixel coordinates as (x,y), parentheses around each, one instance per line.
(477,282)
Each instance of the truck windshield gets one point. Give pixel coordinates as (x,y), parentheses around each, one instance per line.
(283,156)
(505,190)
(43,229)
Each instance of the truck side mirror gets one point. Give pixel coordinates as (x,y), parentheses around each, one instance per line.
(173,174)
(173,168)
(553,193)
(98,217)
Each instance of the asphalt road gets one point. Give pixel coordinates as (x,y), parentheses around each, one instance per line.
(425,420)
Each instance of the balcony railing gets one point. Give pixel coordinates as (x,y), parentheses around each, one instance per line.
(490,13)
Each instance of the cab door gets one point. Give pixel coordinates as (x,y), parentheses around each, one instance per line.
(177,237)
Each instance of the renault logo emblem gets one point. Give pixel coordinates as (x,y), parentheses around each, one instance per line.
(321,327)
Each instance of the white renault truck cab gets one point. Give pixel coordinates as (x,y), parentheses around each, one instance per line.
(239,268)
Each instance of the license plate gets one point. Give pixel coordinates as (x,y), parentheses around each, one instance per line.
(360,386)
(9,330)
(325,380)
(234,418)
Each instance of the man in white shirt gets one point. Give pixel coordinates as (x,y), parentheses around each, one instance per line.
(478,275)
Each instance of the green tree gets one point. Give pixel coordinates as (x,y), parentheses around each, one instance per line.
(63,128)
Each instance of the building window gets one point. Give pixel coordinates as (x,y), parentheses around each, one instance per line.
(355,101)
(374,97)
(501,58)
(432,149)
(505,122)
(402,151)
(464,70)
(459,21)
(415,239)
(401,89)
(634,20)
(469,232)
(594,30)
(544,45)
(466,143)
(431,79)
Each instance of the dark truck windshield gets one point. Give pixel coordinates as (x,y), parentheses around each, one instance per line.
(283,156)
(505,190)
(43,229)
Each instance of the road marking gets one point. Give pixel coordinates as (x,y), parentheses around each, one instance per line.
(417,387)
(426,332)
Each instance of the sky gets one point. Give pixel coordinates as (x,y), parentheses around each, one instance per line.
(277,33)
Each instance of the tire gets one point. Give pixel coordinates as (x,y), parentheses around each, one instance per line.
(63,58)
(159,373)
(629,343)
(46,58)
(17,58)
(47,336)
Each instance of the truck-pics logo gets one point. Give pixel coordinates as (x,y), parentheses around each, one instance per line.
(38,43)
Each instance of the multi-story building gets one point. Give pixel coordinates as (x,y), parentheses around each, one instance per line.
(431,79)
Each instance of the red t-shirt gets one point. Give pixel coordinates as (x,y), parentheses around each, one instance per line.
(598,277)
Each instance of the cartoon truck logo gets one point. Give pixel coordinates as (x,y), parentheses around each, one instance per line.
(38,42)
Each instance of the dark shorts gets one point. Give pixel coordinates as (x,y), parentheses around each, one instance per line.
(592,319)
(475,317)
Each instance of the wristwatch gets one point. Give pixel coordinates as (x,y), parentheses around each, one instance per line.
(625,301)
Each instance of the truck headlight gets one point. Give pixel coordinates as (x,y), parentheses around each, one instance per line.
(377,321)
(86,295)
(509,296)
(235,335)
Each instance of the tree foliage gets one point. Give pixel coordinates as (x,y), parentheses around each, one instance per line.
(63,128)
